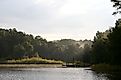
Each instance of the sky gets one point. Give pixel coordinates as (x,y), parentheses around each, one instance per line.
(58,19)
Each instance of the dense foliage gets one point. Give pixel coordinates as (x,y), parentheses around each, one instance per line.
(107,46)
(16,45)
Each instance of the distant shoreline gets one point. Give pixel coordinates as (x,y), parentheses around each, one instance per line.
(30,65)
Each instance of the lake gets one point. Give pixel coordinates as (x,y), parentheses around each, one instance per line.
(52,74)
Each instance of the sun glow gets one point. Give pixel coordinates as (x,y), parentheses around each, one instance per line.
(76,7)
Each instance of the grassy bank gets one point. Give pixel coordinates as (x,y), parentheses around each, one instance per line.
(30,66)
(106,68)
(33,60)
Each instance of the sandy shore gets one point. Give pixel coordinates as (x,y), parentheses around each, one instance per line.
(30,65)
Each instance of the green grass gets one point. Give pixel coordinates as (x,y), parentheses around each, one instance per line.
(106,68)
(33,60)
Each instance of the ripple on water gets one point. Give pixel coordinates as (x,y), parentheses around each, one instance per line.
(50,74)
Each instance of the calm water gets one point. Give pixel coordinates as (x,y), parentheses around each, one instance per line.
(51,74)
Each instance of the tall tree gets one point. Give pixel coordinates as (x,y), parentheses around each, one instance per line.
(99,49)
(115,43)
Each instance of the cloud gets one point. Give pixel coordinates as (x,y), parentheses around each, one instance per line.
(75,7)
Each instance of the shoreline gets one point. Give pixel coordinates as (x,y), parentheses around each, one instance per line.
(31,66)
(106,68)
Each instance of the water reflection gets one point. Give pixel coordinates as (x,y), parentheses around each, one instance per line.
(54,74)
(109,75)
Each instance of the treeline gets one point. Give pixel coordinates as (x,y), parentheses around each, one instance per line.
(17,45)
(107,46)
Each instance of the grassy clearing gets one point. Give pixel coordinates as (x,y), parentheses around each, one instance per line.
(33,60)
(106,68)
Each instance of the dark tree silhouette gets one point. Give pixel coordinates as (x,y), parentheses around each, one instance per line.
(117,5)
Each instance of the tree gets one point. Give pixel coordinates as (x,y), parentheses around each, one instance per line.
(19,51)
(86,57)
(100,48)
(15,44)
(117,5)
(115,43)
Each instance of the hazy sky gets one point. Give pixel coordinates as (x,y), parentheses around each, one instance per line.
(57,19)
